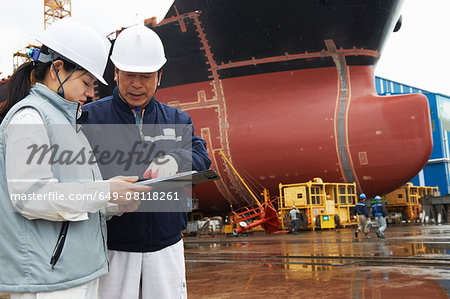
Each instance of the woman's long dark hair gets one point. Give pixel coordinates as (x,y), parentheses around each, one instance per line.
(19,84)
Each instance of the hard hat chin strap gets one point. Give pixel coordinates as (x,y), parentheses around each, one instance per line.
(60,90)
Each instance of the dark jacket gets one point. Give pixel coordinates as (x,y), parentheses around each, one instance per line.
(361,209)
(144,232)
(379,209)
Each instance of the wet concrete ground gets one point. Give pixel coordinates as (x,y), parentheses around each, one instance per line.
(412,262)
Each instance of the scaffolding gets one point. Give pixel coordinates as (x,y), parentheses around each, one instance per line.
(21,56)
(53,10)
(56,9)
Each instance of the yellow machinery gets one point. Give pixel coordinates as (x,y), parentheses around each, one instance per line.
(318,202)
(326,220)
(403,203)
(228,229)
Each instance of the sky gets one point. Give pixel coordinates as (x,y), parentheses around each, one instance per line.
(417,55)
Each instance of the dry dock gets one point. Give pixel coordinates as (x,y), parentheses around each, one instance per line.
(412,262)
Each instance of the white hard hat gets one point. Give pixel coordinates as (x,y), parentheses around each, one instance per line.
(138,49)
(293,207)
(78,43)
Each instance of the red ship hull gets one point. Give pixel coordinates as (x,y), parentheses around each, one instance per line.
(292,126)
(289,96)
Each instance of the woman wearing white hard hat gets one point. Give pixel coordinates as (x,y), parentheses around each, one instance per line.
(46,180)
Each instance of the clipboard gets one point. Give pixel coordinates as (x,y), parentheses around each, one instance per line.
(183,178)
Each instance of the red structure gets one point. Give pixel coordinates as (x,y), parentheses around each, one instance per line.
(283,133)
(285,89)
(294,109)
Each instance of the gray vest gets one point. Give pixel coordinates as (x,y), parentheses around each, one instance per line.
(26,246)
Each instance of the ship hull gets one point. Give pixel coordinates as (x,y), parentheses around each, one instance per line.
(285,127)
(285,89)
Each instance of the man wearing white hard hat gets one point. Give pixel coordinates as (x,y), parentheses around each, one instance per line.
(146,248)
(53,246)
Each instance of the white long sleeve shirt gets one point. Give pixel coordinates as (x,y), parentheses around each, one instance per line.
(38,178)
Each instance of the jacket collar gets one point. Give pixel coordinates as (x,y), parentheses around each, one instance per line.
(67,108)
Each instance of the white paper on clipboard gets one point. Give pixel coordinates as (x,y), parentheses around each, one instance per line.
(184,178)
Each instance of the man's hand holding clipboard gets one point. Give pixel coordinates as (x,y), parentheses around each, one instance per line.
(183,179)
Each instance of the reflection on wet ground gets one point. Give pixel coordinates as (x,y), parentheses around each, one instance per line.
(412,262)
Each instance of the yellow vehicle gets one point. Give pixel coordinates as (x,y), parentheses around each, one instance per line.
(322,205)
(403,203)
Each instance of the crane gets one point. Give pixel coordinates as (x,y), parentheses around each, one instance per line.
(53,10)
(56,9)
